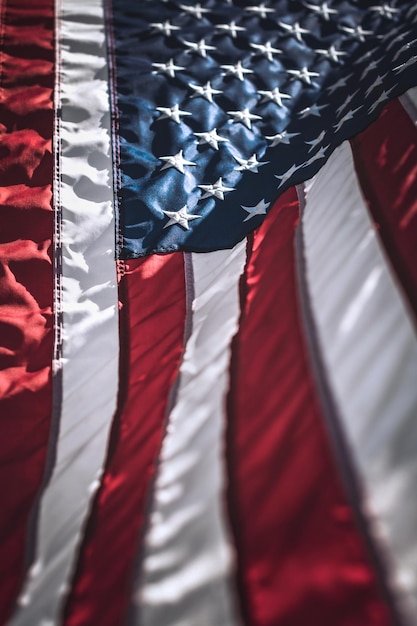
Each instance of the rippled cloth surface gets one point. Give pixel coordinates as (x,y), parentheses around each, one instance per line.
(222,107)
(218,438)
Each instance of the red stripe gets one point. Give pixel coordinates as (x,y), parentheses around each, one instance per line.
(152,333)
(26,285)
(300,558)
(385,158)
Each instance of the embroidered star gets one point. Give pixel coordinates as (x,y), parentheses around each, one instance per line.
(274,96)
(217,190)
(358,32)
(195,10)
(294,29)
(322,9)
(232,29)
(396,39)
(283,137)
(320,154)
(244,116)
(403,66)
(404,48)
(211,138)
(205,91)
(313,110)
(251,165)
(167,68)
(377,82)
(412,10)
(371,65)
(181,218)
(339,83)
(164,27)
(383,96)
(346,102)
(265,49)
(331,53)
(175,160)
(174,113)
(262,10)
(303,74)
(287,175)
(258,209)
(347,116)
(385,10)
(199,48)
(236,70)
(315,142)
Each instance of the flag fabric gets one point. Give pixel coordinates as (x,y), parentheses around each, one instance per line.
(208,305)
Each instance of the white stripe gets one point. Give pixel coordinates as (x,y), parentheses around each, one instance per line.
(370,352)
(90,325)
(188,557)
(409,102)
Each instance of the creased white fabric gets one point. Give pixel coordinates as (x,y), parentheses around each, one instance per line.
(409,102)
(188,557)
(90,325)
(370,354)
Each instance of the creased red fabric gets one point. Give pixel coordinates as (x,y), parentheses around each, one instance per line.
(26,279)
(385,156)
(152,335)
(300,557)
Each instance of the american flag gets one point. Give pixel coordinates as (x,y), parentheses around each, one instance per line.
(208,298)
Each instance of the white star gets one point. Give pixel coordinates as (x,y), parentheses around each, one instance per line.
(266,50)
(403,66)
(347,116)
(274,96)
(377,82)
(385,10)
(412,10)
(206,91)
(236,70)
(294,29)
(195,10)
(320,154)
(250,165)
(287,175)
(199,48)
(304,75)
(395,40)
(175,160)
(283,137)
(173,113)
(371,65)
(181,218)
(317,141)
(339,83)
(258,209)
(211,137)
(164,27)
(167,68)
(357,33)
(244,117)
(331,53)
(404,48)
(261,10)
(232,29)
(217,190)
(322,9)
(313,110)
(383,96)
(346,102)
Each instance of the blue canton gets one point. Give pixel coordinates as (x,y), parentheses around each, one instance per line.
(221,106)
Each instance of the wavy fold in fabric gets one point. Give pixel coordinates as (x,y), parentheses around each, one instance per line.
(208,297)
